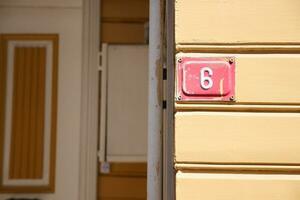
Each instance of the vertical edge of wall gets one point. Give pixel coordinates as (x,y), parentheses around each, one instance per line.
(89,100)
(154,178)
(169,172)
(28,183)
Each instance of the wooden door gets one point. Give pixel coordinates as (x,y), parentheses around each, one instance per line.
(124,149)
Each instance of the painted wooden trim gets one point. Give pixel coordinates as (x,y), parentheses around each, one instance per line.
(3,54)
(27,39)
(103,105)
(89,100)
(54,112)
(168,118)
(155,94)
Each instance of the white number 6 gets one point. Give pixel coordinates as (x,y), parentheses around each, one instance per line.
(205,81)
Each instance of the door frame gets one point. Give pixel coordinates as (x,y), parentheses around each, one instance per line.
(89,100)
(168,116)
(89,103)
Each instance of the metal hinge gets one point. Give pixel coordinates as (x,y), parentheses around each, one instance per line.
(164,104)
(164,73)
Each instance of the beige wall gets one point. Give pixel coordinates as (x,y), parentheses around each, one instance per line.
(66,20)
(246,149)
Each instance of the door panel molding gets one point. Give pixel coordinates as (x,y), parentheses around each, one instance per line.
(28,107)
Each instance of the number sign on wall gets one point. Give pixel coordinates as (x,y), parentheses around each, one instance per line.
(205,79)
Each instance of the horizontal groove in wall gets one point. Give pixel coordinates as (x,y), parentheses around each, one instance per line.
(237,107)
(236,168)
(239,48)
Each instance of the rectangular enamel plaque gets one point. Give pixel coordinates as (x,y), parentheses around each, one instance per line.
(205,79)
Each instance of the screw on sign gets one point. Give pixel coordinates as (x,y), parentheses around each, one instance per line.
(205,79)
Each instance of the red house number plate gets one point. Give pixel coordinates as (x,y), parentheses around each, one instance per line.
(205,79)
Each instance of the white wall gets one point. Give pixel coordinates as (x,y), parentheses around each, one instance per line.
(67,22)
